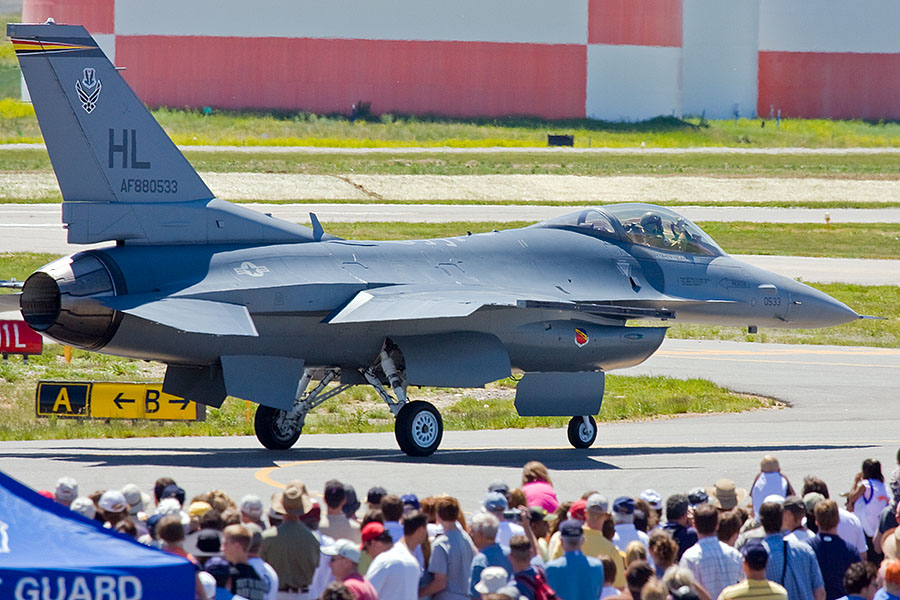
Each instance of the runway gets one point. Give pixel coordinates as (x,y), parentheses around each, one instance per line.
(838,398)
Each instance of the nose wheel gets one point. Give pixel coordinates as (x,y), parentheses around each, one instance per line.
(418,428)
(582,431)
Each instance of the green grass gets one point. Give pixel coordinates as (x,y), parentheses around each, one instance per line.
(358,410)
(849,166)
(256,128)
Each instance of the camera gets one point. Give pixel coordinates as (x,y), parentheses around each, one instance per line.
(512,515)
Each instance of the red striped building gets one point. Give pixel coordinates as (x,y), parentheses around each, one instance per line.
(605,59)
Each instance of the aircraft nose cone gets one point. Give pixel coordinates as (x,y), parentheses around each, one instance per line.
(812,308)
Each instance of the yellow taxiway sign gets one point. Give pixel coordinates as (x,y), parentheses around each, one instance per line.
(113,400)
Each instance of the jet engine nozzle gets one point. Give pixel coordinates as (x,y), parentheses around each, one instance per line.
(58,300)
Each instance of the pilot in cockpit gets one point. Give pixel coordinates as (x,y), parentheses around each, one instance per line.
(653,232)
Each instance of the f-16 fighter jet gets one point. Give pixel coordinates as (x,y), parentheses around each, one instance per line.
(239,303)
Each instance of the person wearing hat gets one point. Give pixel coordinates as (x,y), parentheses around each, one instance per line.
(394,572)
(483,530)
(114,507)
(66,491)
(84,506)
(574,575)
(343,561)
(496,504)
(251,508)
(334,523)
(678,522)
(451,555)
(724,495)
(769,481)
(595,543)
(539,522)
(795,520)
(170,506)
(626,532)
(755,586)
(714,564)
(654,500)
(493,579)
(791,564)
(291,548)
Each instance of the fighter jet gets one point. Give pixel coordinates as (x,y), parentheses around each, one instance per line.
(239,303)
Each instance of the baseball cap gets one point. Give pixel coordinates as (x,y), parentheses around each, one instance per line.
(576,511)
(199,508)
(375,495)
(598,502)
(136,499)
(495,501)
(811,499)
(113,501)
(173,491)
(539,513)
(171,506)
(252,506)
(623,505)
(571,528)
(794,504)
(66,490)
(84,506)
(697,496)
(652,498)
(756,554)
(492,579)
(344,548)
(372,531)
(499,486)
(219,568)
(776,498)
(410,500)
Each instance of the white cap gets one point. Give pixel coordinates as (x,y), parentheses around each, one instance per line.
(345,548)
(136,499)
(208,582)
(113,501)
(66,490)
(170,506)
(492,579)
(84,506)
(252,506)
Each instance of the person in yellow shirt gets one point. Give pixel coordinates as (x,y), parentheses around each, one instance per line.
(756,586)
(595,544)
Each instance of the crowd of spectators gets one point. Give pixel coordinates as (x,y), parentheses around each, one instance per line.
(771,541)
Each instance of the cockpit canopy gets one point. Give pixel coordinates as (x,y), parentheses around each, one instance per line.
(641,224)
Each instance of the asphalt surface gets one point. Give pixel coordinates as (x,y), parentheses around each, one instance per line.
(37,228)
(837,401)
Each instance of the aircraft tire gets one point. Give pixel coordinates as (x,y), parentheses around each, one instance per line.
(581,436)
(419,429)
(271,432)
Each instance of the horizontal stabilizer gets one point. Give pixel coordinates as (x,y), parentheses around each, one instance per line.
(187,314)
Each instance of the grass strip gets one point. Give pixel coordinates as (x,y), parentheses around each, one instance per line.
(839,166)
(357,411)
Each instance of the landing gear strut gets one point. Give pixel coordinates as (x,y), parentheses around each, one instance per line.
(278,429)
(582,431)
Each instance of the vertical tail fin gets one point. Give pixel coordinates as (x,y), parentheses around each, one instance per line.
(103,142)
(120,175)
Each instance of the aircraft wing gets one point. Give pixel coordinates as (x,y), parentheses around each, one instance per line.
(187,314)
(413,302)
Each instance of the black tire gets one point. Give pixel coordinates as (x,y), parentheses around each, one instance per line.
(581,436)
(270,429)
(419,429)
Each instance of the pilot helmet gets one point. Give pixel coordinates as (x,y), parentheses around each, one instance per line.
(652,223)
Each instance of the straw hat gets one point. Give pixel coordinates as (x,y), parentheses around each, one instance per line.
(723,495)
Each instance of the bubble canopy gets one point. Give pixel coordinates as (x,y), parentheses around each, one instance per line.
(641,224)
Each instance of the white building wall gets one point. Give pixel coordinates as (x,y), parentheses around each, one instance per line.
(720,57)
(522,21)
(632,83)
(863,26)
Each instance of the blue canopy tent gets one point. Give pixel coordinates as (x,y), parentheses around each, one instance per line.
(48,551)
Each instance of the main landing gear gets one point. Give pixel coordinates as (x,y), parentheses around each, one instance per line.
(418,426)
(582,431)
